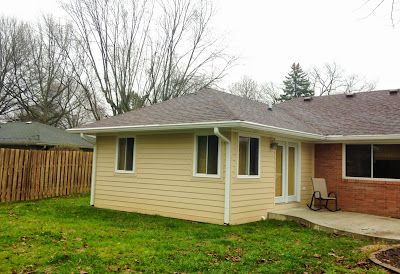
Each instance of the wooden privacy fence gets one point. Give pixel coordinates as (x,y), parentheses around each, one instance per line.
(35,174)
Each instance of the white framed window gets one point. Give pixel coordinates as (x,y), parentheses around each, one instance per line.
(372,161)
(248,156)
(207,156)
(125,154)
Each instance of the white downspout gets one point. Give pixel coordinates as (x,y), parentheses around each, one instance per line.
(94,163)
(227,175)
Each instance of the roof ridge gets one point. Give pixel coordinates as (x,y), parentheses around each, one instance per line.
(235,116)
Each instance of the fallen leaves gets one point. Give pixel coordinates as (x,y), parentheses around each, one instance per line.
(316,255)
(338,258)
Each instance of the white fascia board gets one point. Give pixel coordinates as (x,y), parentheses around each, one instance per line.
(349,138)
(238,124)
(154,127)
(220,124)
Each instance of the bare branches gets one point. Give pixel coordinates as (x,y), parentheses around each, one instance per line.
(378,4)
(135,59)
(331,79)
(249,88)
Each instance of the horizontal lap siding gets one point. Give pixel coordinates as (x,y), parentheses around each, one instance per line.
(252,198)
(307,171)
(163,182)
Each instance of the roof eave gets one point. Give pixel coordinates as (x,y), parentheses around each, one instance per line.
(354,138)
(200,125)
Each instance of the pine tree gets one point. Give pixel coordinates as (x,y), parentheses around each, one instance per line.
(296,84)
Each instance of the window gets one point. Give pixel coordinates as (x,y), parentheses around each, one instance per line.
(207,155)
(358,160)
(125,154)
(386,161)
(248,156)
(373,161)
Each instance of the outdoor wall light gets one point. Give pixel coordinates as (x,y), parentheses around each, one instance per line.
(274,146)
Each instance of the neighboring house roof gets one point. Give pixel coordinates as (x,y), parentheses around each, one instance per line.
(367,113)
(34,133)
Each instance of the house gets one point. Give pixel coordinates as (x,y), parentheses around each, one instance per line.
(34,135)
(219,158)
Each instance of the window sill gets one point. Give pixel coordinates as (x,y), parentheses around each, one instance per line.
(248,176)
(200,175)
(370,179)
(124,172)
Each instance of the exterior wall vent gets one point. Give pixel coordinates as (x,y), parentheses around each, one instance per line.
(393,91)
(308,99)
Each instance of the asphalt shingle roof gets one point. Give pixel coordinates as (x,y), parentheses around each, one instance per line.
(34,133)
(375,112)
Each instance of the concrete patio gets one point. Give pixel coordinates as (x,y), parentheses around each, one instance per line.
(353,224)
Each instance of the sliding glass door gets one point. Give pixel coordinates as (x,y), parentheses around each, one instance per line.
(286,163)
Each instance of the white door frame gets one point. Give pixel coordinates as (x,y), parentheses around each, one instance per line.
(285,198)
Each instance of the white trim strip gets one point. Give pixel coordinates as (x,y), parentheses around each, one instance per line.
(238,124)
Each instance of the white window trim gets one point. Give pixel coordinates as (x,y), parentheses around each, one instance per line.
(116,170)
(205,175)
(259,156)
(372,166)
(297,195)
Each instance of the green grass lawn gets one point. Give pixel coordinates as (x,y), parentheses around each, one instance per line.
(65,235)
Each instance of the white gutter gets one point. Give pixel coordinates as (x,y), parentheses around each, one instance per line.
(227,196)
(93,184)
(336,138)
(219,124)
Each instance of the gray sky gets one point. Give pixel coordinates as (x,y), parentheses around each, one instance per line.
(269,36)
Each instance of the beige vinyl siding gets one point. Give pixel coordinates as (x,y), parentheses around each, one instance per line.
(307,171)
(252,198)
(163,182)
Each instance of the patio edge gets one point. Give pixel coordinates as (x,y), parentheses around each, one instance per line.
(307,223)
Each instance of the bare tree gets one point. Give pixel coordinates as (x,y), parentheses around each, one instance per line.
(326,80)
(249,88)
(12,55)
(331,78)
(356,83)
(270,92)
(135,58)
(44,88)
(187,57)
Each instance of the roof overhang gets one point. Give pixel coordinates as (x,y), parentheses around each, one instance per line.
(360,138)
(238,124)
(201,125)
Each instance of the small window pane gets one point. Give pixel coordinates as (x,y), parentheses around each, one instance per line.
(387,161)
(125,154)
(358,160)
(212,160)
(129,153)
(201,154)
(253,156)
(243,155)
(121,153)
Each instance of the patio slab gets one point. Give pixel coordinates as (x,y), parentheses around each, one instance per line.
(353,224)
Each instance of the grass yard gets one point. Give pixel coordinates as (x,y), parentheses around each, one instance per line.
(65,235)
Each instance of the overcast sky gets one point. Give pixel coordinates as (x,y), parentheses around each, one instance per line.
(269,36)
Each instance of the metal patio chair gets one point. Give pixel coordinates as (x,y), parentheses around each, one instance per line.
(321,194)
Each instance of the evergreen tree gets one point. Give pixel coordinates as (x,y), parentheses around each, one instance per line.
(296,84)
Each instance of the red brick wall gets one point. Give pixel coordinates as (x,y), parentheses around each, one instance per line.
(365,196)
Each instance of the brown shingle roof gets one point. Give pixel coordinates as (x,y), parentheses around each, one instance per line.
(375,112)
(366,113)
